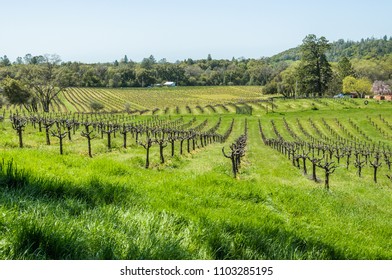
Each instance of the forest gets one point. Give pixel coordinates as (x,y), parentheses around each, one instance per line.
(370,59)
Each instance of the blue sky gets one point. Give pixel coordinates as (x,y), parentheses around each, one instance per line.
(103,31)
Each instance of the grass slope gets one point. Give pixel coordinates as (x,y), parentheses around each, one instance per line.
(111,207)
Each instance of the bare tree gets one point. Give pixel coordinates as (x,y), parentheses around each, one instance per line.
(376,164)
(358,163)
(44,80)
(18,123)
(147,145)
(315,161)
(89,135)
(329,168)
(60,135)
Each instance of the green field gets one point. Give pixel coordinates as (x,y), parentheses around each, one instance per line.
(78,99)
(110,206)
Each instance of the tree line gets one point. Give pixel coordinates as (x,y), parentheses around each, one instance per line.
(369,48)
(314,72)
(34,81)
(150,71)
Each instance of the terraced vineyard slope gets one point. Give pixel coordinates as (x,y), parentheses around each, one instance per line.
(303,179)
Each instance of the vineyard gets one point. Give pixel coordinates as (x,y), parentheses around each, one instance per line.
(150,99)
(196,173)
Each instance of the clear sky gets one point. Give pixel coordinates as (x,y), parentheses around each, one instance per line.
(106,30)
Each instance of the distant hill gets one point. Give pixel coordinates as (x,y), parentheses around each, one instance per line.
(364,49)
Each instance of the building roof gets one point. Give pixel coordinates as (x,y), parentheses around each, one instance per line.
(169,83)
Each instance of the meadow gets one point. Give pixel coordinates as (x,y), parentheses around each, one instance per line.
(110,206)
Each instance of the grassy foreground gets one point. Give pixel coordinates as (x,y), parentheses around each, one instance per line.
(111,207)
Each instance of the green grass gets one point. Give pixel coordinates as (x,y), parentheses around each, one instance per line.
(111,207)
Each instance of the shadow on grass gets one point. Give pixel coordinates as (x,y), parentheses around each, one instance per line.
(227,242)
(142,234)
(94,192)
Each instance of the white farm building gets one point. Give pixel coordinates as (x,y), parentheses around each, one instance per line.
(169,84)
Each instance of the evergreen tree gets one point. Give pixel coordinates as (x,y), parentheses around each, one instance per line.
(4,61)
(314,70)
(345,68)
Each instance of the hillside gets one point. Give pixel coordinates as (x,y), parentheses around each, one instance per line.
(203,72)
(189,206)
(364,49)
